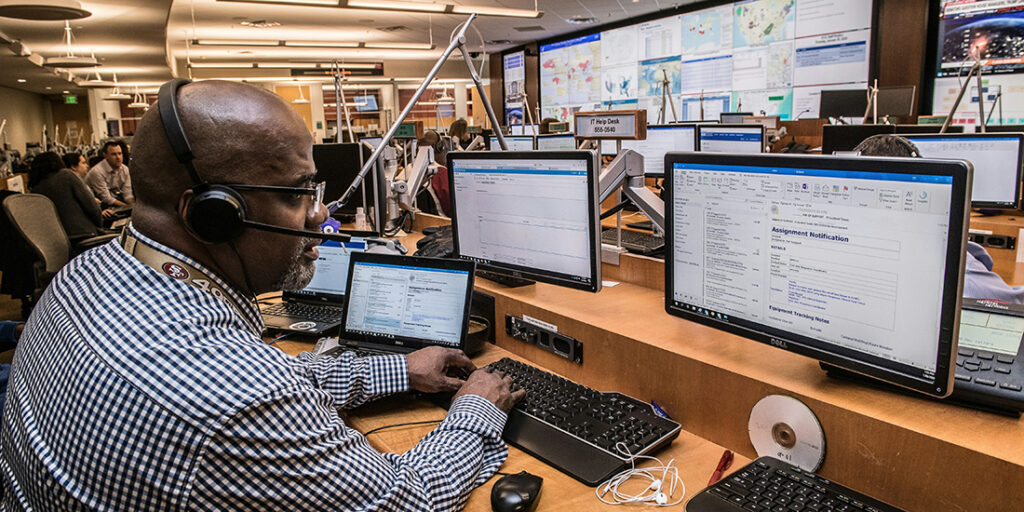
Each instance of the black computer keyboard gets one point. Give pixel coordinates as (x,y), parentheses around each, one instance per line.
(575,428)
(771,485)
(643,243)
(315,312)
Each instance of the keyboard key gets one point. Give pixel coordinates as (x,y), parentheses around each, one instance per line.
(962,377)
(1002,369)
(985,355)
(1005,359)
(965,352)
(1011,387)
(985,382)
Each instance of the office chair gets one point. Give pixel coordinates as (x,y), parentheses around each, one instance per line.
(34,217)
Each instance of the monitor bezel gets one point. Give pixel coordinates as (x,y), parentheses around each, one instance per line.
(996,135)
(942,383)
(700,128)
(594,220)
(407,261)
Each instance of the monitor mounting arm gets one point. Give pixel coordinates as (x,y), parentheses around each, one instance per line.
(627,172)
(459,41)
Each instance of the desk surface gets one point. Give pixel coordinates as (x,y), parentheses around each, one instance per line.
(695,457)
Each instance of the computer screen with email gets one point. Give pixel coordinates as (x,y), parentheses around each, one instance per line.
(854,261)
(402,299)
(996,159)
(738,138)
(529,214)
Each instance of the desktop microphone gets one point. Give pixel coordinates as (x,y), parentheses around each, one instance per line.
(802,113)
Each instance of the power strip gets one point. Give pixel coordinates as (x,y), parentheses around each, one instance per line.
(543,338)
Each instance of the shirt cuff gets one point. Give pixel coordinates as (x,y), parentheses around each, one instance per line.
(481,409)
(388,374)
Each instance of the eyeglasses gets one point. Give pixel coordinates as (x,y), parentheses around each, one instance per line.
(317,191)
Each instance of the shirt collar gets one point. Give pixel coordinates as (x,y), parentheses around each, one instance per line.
(246,306)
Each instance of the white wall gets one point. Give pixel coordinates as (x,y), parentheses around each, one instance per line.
(25,113)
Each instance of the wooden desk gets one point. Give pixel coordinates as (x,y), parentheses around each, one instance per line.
(695,457)
(909,451)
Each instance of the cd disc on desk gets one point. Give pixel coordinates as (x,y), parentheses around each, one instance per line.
(783,427)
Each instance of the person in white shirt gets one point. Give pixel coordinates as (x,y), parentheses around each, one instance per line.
(109,179)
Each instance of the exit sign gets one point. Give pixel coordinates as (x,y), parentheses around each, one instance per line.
(71,100)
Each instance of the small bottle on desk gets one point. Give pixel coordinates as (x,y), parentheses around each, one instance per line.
(361,219)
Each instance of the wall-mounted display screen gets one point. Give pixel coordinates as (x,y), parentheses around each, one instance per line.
(992,30)
(769,57)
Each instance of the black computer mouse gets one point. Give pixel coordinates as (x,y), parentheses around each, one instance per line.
(516,493)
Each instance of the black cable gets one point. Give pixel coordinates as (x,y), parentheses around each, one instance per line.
(615,210)
(409,424)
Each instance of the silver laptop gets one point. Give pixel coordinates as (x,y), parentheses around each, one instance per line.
(317,308)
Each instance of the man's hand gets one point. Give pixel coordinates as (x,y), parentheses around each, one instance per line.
(494,387)
(108,213)
(428,368)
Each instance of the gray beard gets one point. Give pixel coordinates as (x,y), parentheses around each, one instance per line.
(300,272)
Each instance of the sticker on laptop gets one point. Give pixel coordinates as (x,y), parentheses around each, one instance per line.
(302,326)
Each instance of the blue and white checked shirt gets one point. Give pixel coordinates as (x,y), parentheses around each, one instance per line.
(133,391)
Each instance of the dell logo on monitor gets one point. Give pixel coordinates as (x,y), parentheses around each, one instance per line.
(778,343)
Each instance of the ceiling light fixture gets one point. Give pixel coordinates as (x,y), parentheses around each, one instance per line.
(581,20)
(399,46)
(322,44)
(69,60)
(236,42)
(404,6)
(43,10)
(301,100)
(139,100)
(116,94)
(97,80)
(22,80)
(215,65)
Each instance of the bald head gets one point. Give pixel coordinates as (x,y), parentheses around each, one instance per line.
(238,134)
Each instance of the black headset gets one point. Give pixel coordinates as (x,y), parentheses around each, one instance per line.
(215,214)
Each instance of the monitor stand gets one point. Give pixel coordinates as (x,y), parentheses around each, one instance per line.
(842,373)
(505,279)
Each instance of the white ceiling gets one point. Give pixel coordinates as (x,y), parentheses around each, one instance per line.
(144,40)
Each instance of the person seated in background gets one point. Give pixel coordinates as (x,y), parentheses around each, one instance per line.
(980,282)
(457,131)
(545,125)
(78,211)
(77,163)
(109,179)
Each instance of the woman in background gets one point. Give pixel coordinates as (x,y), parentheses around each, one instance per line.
(76,206)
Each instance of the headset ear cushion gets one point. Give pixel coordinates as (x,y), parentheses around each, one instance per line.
(215,214)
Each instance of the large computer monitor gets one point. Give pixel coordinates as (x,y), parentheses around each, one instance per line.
(660,140)
(896,101)
(532,215)
(337,165)
(843,103)
(845,137)
(996,158)
(559,142)
(515,143)
(733,117)
(523,129)
(730,138)
(855,261)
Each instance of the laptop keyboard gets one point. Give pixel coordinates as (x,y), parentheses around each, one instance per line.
(315,312)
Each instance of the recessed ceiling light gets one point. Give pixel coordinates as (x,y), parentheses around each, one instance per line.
(581,20)
(48,87)
(22,80)
(236,42)
(43,10)
(66,92)
(322,44)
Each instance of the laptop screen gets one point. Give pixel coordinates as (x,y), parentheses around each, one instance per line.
(407,301)
(331,275)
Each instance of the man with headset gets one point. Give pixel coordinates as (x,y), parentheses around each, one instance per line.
(141,381)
